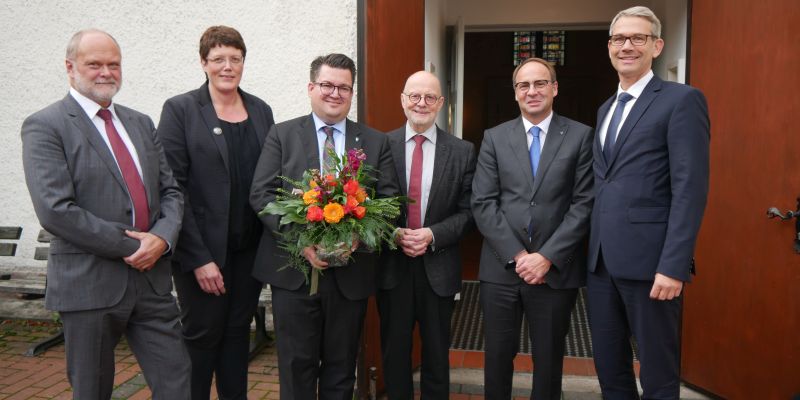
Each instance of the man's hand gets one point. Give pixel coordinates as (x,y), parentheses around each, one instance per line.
(310,253)
(151,248)
(665,288)
(532,267)
(415,242)
(210,279)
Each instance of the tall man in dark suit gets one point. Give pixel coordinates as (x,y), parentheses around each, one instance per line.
(318,335)
(651,181)
(531,198)
(100,183)
(419,280)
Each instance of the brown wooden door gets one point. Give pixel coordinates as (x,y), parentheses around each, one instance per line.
(393,47)
(741,324)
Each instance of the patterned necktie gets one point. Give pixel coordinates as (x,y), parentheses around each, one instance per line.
(415,185)
(130,174)
(613,125)
(535,149)
(328,162)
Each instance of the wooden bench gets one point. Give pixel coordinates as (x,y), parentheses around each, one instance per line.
(31,289)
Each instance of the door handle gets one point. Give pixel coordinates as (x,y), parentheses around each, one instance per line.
(774,212)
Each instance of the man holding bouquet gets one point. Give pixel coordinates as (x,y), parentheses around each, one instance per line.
(318,335)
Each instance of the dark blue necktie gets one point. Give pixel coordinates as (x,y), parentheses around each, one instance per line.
(613,125)
(535,149)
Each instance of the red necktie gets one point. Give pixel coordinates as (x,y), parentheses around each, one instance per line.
(415,185)
(129,173)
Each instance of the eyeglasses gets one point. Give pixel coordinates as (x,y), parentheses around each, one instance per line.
(416,97)
(221,60)
(636,40)
(524,87)
(327,89)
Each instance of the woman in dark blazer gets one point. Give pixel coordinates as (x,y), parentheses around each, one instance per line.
(212,137)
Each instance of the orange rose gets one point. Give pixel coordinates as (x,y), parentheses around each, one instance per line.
(314,214)
(351,187)
(359,212)
(333,212)
(312,184)
(361,195)
(311,197)
(351,204)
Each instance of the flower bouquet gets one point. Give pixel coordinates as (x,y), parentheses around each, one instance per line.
(333,212)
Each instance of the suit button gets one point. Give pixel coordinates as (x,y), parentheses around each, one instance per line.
(128,212)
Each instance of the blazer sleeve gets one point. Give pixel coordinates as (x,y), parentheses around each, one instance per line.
(387,184)
(486,207)
(172,131)
(49,182)
(688,137)
(168,224)
(266,177)
(449,231)
(574,226)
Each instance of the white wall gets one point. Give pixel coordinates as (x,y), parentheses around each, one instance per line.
(159,43)
(673,16)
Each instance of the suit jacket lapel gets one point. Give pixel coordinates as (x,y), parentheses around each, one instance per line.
(308,134)
(135,133)
(598,148)
(518,141)
(93,136)
(398,145)
(352,137)
(555,136)
(255,117)
(440,162)
(639,107)
(212,122)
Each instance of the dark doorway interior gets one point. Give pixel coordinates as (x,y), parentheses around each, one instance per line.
(585,81)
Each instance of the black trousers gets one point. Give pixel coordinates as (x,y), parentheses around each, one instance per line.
(216,329)
(548,313)
(413,301)
(317,340)
(619,308)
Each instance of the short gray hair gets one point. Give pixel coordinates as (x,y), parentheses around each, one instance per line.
(75,41)
(641,12)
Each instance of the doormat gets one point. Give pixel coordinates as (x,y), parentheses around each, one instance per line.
(466,327)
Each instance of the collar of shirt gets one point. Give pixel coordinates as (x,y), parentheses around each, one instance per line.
(637,88)
(429,134)
(338,128)
(89,106)
(544,126)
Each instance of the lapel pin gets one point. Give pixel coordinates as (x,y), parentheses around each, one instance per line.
(217,130)
(356,138)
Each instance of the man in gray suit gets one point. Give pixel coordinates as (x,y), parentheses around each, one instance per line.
(419,280)
(100,183)
(531,199)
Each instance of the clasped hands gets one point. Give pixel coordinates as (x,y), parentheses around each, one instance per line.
(413,242)
(532,267)
(310,253)
(151,248)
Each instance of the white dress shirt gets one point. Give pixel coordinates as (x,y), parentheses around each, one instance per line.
(544,126)
(428,155)
(91,108)
(636,91)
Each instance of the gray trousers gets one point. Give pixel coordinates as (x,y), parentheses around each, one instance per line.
(151,324)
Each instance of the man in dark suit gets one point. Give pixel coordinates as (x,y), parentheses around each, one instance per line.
(531,198)
(100,184)
(419,280)
(651,181)
(318,335)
